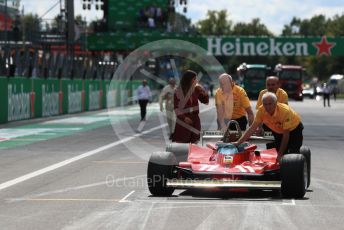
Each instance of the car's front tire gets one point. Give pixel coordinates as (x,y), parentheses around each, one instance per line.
(294,176)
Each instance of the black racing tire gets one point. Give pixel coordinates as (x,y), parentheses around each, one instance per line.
(304,150)
(293,176)
(160,168)
(180,151)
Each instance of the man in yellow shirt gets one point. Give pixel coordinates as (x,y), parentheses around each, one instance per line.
(272,85)
(232,103)
(285,124)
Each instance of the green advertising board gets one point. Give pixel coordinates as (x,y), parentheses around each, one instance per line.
(105,87)
(111,94)
(20,99)
(279,46)
(73,96)
(93,94)
(226,46)
(123,99)
(3,99)
(47,101)
(24,98)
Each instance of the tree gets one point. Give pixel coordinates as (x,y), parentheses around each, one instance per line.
(293,28)
(30,24)
(335,26)
(47,26)
(179,22)
(58,24)
(316,26)
(80,21)
(216,23)
(254,28)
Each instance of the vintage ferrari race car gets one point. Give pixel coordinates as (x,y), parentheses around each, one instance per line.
(221,164)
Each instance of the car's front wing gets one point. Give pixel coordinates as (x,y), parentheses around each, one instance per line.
(249,184)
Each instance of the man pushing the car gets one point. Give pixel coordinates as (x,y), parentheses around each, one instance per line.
(285,124)
(273,85)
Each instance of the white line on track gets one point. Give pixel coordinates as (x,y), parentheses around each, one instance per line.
(141,125)
(76,188)
(124,199)
(287,202)
(71,160)
(50,168)
(148,214)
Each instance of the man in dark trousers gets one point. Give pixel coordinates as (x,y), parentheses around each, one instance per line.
(326,95)
(284,122)
(144,96)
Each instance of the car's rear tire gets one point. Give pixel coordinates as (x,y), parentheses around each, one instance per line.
(304,150)
(160,168)
(293,176)
(180,151)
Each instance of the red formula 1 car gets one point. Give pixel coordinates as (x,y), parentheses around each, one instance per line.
(223,165)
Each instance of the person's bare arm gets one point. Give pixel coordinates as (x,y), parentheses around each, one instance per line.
(248,133)
(286,99)
(221,115)
(202,94)
(250,115)
(284,142)
(161,98)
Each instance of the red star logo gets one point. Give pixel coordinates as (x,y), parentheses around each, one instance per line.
(324,47)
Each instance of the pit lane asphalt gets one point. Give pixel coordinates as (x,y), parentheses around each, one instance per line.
(107,190)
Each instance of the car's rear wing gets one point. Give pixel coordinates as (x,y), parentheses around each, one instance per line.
(217,135)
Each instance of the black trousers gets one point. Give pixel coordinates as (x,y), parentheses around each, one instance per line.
(295,140)
(143,108)
(272,144)
(326,98)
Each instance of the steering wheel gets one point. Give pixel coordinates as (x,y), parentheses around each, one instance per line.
(232,135)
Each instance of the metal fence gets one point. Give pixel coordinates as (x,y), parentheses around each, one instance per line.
(46,64)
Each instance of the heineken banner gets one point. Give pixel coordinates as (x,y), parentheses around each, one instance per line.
(227,46)
(274,46)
